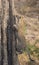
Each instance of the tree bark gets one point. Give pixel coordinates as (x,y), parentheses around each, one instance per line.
(3,34)
(7,35)
(12,21)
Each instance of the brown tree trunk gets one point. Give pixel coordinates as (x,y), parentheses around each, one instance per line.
(7,36)
(3,33)
(12,22)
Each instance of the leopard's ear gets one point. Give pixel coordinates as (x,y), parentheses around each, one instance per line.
(18,16)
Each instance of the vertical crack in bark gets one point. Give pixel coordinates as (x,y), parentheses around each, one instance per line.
(2,47)
(9,35)
(9,43)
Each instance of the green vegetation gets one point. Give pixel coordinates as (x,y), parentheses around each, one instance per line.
(33,50)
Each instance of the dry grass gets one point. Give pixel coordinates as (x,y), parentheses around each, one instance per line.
(29,27)
(23,59)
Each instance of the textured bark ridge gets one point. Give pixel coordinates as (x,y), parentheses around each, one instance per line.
(7,35)
(3,33)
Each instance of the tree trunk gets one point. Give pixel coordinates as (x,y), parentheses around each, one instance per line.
(13,40)
(3,34)
(7,36)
